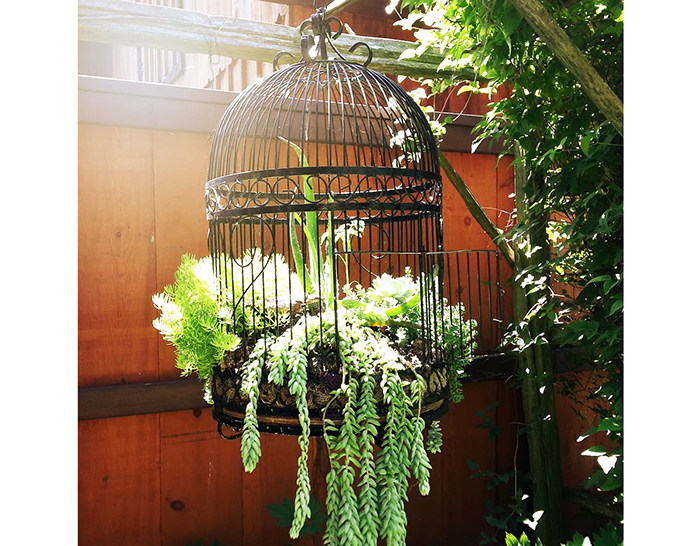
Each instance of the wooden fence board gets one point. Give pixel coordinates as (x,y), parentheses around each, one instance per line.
(201,481)
(118,481)
(138,182)
(463,504)
(505,204)
(460,228)
(116,256)
(273,480)
(180,163)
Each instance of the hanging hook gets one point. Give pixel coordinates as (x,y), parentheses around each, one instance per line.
(369,51)
(313,44)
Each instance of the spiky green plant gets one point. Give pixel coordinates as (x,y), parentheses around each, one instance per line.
(191,318)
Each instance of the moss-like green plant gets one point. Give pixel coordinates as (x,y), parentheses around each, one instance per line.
(192,318)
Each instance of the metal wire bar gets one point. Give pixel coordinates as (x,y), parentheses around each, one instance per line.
(317,150)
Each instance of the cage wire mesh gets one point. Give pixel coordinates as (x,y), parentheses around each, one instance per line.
(324,180)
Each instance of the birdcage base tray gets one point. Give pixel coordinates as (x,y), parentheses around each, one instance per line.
(277,410)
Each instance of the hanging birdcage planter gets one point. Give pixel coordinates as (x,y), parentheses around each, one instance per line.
(320,309)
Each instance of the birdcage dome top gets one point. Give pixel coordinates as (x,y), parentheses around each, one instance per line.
(339,113)
(355,130)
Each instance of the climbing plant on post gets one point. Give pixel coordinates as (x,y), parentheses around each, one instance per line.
(530,295)
(569,197)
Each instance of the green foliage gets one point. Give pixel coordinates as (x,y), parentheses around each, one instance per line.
(607,536)
(573,157)
(250,439)
(370,332)
(310,229)
(366,493)
(519,511)
(284,514)
(190,318)
(393,302)
(247,288)
(203,314)
(512,540)
(434,442)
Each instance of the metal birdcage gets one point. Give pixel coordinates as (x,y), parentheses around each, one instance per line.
(322,176)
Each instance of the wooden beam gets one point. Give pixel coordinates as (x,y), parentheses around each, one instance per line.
(139,399)
(119,22)
(125,103)
(335,7)
(186,394)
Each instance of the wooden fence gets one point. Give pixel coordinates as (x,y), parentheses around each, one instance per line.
(165,477)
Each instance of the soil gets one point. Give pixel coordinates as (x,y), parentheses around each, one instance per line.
(324,376)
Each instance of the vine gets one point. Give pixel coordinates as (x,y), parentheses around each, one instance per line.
(573,160)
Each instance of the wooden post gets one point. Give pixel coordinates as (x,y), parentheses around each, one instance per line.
(535,366)
(571,57)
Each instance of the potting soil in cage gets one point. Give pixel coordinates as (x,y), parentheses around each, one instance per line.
(321,309)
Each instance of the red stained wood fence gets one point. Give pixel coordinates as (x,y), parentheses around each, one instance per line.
(167,478)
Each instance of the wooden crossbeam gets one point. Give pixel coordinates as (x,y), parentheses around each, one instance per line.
(335,7)
(182,394)
(120,22)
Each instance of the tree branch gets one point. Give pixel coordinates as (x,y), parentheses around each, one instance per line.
(597,504)
(477,211)
(571,57)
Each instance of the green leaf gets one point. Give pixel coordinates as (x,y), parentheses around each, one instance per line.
(307,283)
(611,484)
(310,227)
(586,144)
(283,512)
(410,304)
(610,424)
(616,306)
(510,21)
(595,451)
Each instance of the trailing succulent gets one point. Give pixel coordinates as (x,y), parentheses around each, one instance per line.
(373,336)
(205,315)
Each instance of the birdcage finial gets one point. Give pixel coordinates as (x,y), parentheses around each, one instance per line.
(316,33)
